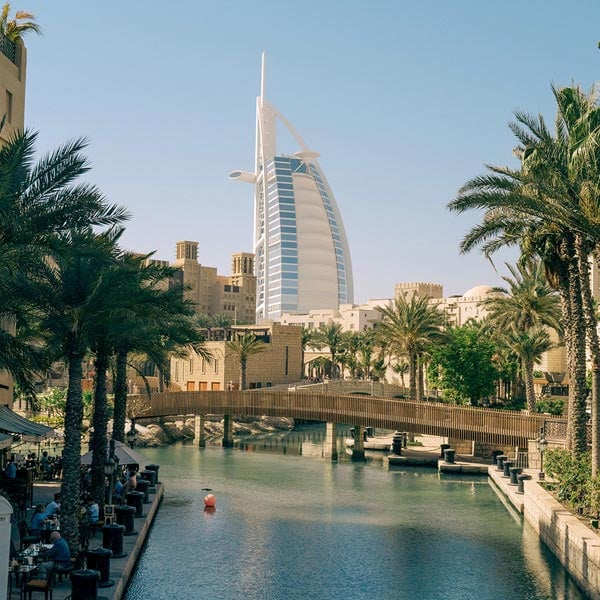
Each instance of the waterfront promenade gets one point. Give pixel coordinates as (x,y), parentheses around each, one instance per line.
(120,568)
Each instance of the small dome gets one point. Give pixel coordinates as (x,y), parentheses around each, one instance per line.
(479,291)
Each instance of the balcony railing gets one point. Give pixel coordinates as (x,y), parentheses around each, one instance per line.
(8,48)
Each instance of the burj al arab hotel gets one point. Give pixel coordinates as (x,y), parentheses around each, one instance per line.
(302,256)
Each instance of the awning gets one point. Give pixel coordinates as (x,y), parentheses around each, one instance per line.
(125,454)
(12,423)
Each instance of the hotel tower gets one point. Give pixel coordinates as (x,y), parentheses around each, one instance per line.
(302,256)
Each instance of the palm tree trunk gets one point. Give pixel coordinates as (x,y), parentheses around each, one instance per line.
(595,353)
(529,387)
(420,379)
(242,373)
(412,362)
(71,484)
(577,379)
(99,420)
(120,385)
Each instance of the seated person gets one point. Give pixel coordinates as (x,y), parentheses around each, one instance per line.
(38,519)
(59,555)
(118,491)
(93,510)
(53,507)
(131,482)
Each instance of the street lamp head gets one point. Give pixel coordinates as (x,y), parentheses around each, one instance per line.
(109,466)
(132,434)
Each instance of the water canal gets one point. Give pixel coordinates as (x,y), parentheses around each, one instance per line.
(290,524)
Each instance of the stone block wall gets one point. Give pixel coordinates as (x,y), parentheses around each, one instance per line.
(575,544)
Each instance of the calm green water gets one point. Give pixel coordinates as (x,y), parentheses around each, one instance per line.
(290,525)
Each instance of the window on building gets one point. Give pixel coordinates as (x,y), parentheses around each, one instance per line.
(9,106)
(287,359)
(191,365)
(216,363)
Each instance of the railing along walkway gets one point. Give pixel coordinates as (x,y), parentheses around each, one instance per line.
(467,423)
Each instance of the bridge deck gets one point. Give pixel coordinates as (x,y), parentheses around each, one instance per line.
(460,422)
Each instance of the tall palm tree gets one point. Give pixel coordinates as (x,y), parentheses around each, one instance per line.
(244,346)
(408,327)
(159,322)
(547,206)
(527,301)
(38,201)
(72,307)
(329,335)
(13,29)
(529,345)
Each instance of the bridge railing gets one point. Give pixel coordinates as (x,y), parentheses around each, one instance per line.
(471,423)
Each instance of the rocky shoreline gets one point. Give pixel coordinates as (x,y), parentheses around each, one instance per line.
(162,432)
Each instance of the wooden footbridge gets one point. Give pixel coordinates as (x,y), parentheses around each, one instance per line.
(488,426)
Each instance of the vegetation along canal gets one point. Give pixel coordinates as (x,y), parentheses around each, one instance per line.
(290,524)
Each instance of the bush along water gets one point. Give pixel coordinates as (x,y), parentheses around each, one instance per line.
(572,481)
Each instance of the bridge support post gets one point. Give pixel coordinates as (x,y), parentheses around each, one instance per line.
(199,430)
(358,450)
(330,448)
(227,431)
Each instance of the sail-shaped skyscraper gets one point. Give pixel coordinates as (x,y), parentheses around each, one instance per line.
(302,255)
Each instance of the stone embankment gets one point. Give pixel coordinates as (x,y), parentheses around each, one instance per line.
(573,542)
(162,433)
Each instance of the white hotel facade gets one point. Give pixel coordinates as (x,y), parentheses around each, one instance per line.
(302,255)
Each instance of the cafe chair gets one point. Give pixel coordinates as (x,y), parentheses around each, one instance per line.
(77,563)
(41,585)
(26,535)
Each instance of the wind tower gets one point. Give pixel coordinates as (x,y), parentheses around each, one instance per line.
(302,254)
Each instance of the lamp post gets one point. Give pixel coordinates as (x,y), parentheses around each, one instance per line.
(109,469)
(132,434)
(541,444)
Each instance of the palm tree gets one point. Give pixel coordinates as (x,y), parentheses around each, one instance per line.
(329,335)
(244,346)
(306,339)
(14,30)
(547,207)
(400,368)
(38,201)
(529,345)
(222,320)
(158,322)
(408,328)
(72,307)
(529,300)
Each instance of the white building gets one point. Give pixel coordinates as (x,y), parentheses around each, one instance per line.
(302,254)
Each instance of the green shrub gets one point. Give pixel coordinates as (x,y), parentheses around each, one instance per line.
(554,406)
(573,483)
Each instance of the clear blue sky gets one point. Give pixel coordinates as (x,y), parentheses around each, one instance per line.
(405,101)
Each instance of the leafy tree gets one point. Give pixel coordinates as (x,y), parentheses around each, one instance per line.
(244,346)
(463,365)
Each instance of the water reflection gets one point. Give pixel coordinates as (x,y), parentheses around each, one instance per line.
(289,526)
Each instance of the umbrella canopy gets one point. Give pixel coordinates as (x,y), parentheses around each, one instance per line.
(125,454)
(13,423)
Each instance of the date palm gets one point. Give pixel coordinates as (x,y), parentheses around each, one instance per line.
(38,202)
(408,327)
(548,206)
(329,335)
(529,345)
(19,25)
(244,346)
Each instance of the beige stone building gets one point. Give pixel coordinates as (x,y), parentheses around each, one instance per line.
(13,69)
(212,294)
(279,363)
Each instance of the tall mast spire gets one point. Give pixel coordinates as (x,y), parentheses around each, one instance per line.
(262,79)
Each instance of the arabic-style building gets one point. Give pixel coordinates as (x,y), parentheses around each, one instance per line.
(302,255)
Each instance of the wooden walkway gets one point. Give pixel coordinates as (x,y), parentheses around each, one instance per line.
(459,422)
